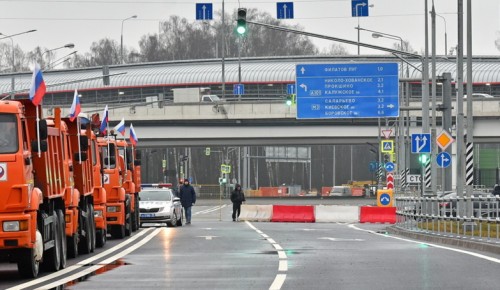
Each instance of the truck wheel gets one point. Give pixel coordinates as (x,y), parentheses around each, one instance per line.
(118,231)
(72,243)
(128,218)
(27,265)
(64,248)
(85,243)
(92,228)
(52,260)
(100,238)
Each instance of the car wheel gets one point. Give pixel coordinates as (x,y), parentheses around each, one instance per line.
(173,221)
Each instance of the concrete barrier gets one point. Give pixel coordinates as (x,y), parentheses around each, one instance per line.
(293,213)
(336,213)
(257,213)
(376,214)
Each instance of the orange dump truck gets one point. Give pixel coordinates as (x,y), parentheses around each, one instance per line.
(35,186)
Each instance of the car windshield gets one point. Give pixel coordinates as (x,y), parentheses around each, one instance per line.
(8,133)
(156,195)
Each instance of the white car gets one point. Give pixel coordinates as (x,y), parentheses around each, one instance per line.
(160,205)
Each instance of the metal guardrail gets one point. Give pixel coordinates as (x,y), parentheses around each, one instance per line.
(475,218)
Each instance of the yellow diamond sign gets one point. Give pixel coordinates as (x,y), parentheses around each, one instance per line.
(444,140)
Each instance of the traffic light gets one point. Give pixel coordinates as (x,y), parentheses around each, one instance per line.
(241,27)
(207,151)
(387,158)
(423,159)
(289,100)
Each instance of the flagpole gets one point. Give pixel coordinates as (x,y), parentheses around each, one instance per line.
(79,145)
(38,131)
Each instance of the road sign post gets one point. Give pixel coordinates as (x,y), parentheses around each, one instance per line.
(384,197)
(421,143)
(284,10)
(204,11)
(239,89)
(358,90)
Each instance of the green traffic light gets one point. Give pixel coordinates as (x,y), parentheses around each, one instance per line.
(289,101)
(423,159)
(241,29)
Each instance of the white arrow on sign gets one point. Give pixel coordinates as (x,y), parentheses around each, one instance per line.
(390,106)
(341,240)
(444,160)
(303,86)
(302,70)
(203,8)
(385,198)
(424,142)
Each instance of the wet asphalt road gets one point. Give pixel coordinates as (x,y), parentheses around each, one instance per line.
(221,254)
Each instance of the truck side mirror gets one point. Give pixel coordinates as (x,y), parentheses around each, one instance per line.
(128,153)
(84,143)
(43,130)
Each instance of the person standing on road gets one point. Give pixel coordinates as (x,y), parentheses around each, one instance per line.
(188,199)
(237,198)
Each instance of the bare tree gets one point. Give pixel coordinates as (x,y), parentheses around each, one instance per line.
(335,49)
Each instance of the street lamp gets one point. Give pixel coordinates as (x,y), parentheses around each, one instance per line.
(121,39)
(445,35)
(69,45)
(13,80)
(363,4)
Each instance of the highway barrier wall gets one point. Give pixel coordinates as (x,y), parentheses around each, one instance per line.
(337,213)
(257,213)
(293,213)
(374,214)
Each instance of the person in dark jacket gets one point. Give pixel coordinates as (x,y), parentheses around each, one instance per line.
(496,190)
(188,199)
(237,198)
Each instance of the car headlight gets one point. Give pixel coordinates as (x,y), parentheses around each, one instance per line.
(98,213)
(15,226)
(113,209)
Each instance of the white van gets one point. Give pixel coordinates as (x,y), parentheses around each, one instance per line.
(340,191)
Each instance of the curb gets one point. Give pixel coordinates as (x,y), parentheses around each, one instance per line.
(473,245)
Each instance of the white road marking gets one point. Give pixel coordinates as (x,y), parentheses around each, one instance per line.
(283,262)
(278,282)
(104,263)
(207,237)
(341,240)
(431,245)
(216,208)
(81,263)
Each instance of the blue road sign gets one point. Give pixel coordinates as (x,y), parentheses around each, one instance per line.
(238,89)
(389,167)
(204,11)
(421,143)
(354,90)
(285,10)
(443,159)
(373,166)
(359,8)
(385,199)
(290,89)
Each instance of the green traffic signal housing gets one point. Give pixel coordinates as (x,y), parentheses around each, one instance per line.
(423,159)
(241,27)
(289,100)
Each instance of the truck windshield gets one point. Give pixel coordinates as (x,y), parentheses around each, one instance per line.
(9,142)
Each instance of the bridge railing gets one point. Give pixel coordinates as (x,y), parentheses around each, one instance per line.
(477,217)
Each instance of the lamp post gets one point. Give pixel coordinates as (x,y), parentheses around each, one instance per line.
(13,81)
(363,4)
(121,38)
(69,45)
(445,35)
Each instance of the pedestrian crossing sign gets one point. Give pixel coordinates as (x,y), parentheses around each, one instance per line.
(387,146)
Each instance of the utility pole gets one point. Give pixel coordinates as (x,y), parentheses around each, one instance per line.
(434,122)
(460,106)
(469,160)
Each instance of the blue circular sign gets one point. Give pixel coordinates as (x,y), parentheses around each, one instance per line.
(389,166)
(385,199)
(443,159)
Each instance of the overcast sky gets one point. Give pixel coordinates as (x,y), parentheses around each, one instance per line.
(81,22)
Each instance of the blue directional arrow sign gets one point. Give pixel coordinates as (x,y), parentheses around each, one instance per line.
(421,143)
(285,10)
(354,90)
(373,166)
(389,167)
(290,89)
(238,89)
(385,199)
(204,11)
(359,8)
(443,159)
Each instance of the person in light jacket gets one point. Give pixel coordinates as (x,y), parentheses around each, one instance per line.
(237,198)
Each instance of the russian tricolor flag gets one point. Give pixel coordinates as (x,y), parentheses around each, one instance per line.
(121,127)
(76,108)
(104,123)
(37,89)
(133,136)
